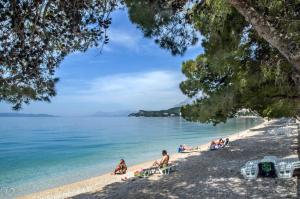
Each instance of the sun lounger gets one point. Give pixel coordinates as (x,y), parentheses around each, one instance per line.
(270,166)
(153,170)
(250,170)
(284,170)
(286,167)
(296,168)
(254,168)
(167,170)
(146,172)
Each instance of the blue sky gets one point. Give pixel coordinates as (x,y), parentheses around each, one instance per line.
(131,73)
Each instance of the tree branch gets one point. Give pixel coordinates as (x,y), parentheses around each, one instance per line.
(288,49)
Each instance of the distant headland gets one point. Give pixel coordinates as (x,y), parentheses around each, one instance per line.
(172,112)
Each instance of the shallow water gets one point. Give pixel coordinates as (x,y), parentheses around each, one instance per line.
(42,153)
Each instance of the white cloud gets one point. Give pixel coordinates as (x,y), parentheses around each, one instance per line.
(148,90)
(124,38)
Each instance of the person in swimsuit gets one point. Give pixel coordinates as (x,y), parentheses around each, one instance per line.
(164,160)
(184,147)
(121,168)
(215,144)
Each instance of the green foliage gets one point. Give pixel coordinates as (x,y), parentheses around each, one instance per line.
(237,70)
(163,21)
(35,36)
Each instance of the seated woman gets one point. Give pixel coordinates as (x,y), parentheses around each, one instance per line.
(164,160)
(121,168)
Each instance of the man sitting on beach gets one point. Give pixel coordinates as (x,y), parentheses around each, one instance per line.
(164,160)
(121,168)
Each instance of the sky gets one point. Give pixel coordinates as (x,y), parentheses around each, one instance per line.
(131,73)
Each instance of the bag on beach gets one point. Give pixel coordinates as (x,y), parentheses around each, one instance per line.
(267,169)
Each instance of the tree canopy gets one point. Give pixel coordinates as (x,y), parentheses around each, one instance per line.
(35,36)
(242,66)
(251,53)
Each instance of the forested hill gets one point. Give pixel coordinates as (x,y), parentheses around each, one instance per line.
(172,112)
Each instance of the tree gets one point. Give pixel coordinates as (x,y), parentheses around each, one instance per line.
(270,26)
(164,22)
(238,69)
(35,36)
(241,66)
(275,21)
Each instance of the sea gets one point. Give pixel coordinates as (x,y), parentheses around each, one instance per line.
(38,153)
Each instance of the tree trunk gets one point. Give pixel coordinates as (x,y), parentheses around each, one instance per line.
(289,49)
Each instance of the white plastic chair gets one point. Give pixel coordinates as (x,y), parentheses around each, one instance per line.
(250,170)
(284,170)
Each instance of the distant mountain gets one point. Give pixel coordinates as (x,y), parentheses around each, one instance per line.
(172,112)
(111,114)
(24,115)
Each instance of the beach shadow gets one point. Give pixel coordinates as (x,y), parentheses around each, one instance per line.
(212,174)
(297,148)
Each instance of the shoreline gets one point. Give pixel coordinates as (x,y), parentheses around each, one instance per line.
(97,183)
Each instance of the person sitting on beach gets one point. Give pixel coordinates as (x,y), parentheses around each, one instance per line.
(121,168)
(219,143)
(215,144)
(164,160)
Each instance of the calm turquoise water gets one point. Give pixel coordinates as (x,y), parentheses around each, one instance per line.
(42,153)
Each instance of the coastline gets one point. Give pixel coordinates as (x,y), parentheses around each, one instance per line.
(99,182)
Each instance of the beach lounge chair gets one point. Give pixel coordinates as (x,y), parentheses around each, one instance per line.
(296,168)
(287,168)
(153,170)
(146,172)
(284,170)
(167,170)
(250,170)
(271,166)
(265,167)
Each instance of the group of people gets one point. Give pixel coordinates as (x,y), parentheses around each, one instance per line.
(216,144)
(163,162)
